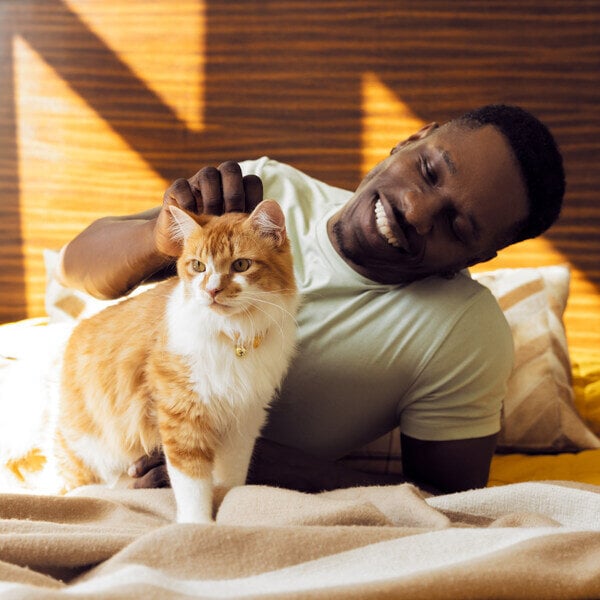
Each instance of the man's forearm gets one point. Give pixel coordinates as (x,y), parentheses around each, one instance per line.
(282,466)
(111,257)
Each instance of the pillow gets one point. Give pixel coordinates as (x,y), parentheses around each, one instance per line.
(30,353)
(66,305)
(540,414)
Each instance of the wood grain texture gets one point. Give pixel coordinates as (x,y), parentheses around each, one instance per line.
(103,103)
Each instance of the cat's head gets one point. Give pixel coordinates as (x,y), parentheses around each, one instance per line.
(235,262)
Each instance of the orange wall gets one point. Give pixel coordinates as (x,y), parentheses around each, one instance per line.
(104,102)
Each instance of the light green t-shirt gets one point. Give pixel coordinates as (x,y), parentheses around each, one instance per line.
(432,357)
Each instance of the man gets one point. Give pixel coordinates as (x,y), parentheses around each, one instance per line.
(392,330)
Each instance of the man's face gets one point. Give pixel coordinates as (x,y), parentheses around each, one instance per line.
(443,200)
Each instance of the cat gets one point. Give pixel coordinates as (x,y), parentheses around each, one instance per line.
(189,366)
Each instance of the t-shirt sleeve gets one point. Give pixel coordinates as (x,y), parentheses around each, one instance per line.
(459,392)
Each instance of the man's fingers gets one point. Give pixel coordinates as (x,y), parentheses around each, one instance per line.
(225,189)
(155,478)
(253,191)
(208,182)
(233,187)
(181,193)
(144,464)
(150,471)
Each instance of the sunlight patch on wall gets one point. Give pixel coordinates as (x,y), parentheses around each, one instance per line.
(161,43)
(73,167)
(583,307)
(530,253)
(386,120)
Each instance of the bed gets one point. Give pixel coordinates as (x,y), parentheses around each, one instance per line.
(533,532)
(100,115)
(541,507)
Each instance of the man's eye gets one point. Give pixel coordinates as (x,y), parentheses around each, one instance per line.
(428,172)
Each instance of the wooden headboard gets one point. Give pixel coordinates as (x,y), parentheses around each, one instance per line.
(104,102)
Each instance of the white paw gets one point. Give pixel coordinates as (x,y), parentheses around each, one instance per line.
(197,516)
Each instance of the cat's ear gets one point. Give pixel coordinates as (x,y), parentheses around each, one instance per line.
(182,223)
(268,219)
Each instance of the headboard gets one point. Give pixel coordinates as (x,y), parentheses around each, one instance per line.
(103,103)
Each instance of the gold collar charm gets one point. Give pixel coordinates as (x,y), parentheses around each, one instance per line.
(240,348)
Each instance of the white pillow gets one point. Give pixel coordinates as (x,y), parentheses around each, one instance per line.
(65,304)
(539,413)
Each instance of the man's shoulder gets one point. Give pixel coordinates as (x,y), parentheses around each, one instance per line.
(456,313)
(460,293)
(467,318)
(282,182)
(269,169)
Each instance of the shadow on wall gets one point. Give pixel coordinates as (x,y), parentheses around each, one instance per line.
(286,79)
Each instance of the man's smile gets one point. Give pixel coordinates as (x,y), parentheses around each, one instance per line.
(400,236)
(389,229)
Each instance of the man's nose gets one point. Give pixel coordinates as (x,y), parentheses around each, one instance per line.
(421,210)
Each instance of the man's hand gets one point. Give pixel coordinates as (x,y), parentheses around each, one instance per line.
(212,191)
(150,471)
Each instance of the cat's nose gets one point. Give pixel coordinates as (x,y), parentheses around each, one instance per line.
(214,285)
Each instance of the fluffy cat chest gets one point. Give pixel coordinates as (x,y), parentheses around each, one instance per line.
(241,370)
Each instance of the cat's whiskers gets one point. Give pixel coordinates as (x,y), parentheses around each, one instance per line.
(273,291)
(267,315)
(256,337)
(283,310)
(271,317)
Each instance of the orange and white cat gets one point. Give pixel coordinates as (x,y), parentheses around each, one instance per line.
(190,365)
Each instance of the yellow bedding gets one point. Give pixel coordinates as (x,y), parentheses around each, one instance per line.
(582,466)
(516,468)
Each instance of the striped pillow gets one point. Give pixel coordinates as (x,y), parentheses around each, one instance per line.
(539,413)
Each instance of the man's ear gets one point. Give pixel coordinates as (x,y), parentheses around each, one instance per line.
(419,135)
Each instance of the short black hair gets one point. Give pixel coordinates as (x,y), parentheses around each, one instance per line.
(539,160)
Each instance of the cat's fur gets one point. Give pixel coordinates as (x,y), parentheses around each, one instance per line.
(162,369)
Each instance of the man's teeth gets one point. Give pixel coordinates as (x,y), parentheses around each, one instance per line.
(383,225)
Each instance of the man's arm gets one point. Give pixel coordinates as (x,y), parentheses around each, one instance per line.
(436,467)
(275,465)
(282,466)
(115,254)
(448,466)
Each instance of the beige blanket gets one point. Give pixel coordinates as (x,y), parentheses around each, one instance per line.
(532,540)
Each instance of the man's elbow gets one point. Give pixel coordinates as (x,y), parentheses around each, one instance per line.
(72,274)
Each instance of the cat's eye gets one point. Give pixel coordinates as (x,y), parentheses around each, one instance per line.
(241,264)
(198,266)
